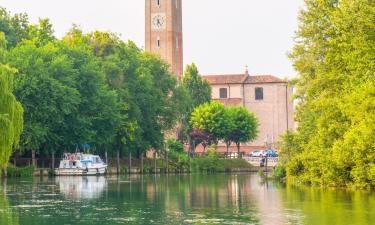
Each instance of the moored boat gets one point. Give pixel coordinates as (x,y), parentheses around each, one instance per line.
(79,164)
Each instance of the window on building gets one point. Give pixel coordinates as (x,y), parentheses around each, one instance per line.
(158,42)
(177,42)
(176,4)
(259,93)
(158,2)
(223,93)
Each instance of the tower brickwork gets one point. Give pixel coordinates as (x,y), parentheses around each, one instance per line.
(164,32)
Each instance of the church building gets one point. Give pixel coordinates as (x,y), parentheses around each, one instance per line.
(267,96)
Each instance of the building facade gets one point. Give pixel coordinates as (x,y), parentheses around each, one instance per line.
(267,96)
(164,32)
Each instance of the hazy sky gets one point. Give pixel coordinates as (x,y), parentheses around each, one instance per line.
(220,36)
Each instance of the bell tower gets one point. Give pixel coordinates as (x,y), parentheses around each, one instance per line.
(164,32)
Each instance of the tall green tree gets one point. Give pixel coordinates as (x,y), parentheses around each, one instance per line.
(47,101)
(147,91)
(211,119)
(198,93)
(15,27)
(335,55)
(242,126)
(199,89)
(11,111)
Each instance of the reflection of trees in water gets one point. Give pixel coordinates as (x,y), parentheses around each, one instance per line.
(224,195)
(317,206)
(6,215)
(81,187)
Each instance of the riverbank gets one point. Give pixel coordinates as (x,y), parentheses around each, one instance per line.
(151,166)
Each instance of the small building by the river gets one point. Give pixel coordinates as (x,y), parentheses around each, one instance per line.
(267,96)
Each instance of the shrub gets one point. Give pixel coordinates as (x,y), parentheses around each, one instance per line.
(279,173)
(27,171)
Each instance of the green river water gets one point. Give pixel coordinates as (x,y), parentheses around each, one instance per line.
(184,199)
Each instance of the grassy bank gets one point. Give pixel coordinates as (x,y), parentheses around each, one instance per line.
(197,164)
(13,171)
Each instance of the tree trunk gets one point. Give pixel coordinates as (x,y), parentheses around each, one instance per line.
(130,162)
(141,163)
(155,162)
(193,149)
(238,150)
(118,161)
(228,144)
(5,171)
(33,158)
(166,157)
(53,161)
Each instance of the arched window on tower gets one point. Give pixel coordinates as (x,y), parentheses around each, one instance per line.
(158,2)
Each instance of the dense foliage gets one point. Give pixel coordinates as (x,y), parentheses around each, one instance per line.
(11,111)
(334,144)
(84,89)
(198,88)
(242,126)
(213,122)
(198,92)
(177,154)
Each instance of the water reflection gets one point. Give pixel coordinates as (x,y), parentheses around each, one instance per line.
(6,215)
(185,199)
(77,187)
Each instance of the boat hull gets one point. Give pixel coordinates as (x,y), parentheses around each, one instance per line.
(81,171)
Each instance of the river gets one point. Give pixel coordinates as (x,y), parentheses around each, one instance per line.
(181,199)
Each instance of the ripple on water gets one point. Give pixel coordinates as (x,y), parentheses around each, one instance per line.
(32,206)
(204,221)
(106,209)
(214,221)
(119,219)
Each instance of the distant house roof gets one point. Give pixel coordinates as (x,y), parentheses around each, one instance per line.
(241,79)
(256,79)
(226,79)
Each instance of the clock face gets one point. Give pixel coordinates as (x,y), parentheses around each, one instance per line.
(158,21)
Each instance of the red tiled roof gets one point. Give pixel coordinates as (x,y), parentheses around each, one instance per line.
(226,79)
(256,79)
(241,78)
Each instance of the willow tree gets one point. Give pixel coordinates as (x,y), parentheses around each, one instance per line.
(11,115)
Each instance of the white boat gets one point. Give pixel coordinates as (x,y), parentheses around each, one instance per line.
(79,164)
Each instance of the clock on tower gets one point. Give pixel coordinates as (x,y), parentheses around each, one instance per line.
(164,32)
